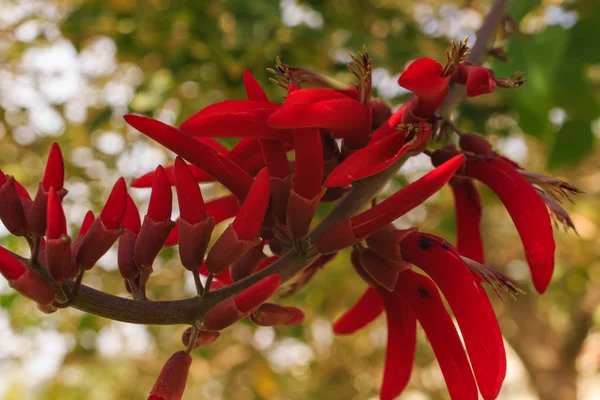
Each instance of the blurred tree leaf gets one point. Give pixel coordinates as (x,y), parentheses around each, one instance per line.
(574,141)
(520,8)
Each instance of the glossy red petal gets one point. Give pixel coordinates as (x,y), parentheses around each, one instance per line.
(250,216)
(56,225)
(404,199)
(479,81)
(254,91)
(345,117)
(308,176)
(234,118)
(401,346)
(475,318)
(54,175)
(369,160)
(424,299)
(313,95)
(467,206)
(363,312)
(255,295)
(275,158)
(170,384)
(161,198)
(390,125)
(424,78)
(88,220)
(194,151)
(147,179)
(114,209)
(189,196)
(10,267)
(527,210)
(131,219)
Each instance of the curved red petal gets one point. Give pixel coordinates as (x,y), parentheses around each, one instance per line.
(308,176)
(234,118)
(114,209)
(405,199)
(254,91)
(275,158)
(389,126)
(369,160)
(161,198)
(54,175)
(312,95)
(467,206)
(224,277)
(257,294)
(527,210)
(56,224)
(479,81)
(401,346)
(86,224)
(131,219)
(10,267)
(475,318)
(189,196)
(194,151)
(368,307)
(424,78)
(250,216)
(424,299)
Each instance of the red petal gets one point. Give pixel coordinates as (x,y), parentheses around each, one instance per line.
(56,225)
(475,318)
(213,144)
(189,196)
(234,118)
(308,176)
(364,311)
(405,199)
(424,78)
(479,81)
(275,158)
(254,91)
(390,125)
(527,210)
(54,175)
(424,299)
(131,220)
(10,267)
(369,160)
(257,294)
(161,198)
(223,208)
(312,95)
(170,384)
(114,209)
(147,179)
(224,277)
(195,152)
(467,206)
(401,346)
(252,211)
(88,220)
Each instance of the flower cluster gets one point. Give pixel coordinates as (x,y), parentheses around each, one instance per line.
(340,136)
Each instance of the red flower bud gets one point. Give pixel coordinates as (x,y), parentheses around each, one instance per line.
(189,196)
(54,175)
(363,312)
(475,144)
(12,212)
(204,338)
(233,309)
(170,384)
(161,198)
(24,280)
(384,272)
(150,241)
(131,219)
(247,264)
(480,81)
(56,225)
(58,244)
(36,217)
(269,314)
(114,209)
(252,211)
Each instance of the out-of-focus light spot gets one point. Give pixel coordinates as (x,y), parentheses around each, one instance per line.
(420,164)
(46,356)
(264,337)
(555,15)
(75,112)
(24,135)
(2,131)
(141,159)
(47,121)
(189,89)
(518,270)
(294,14)
(110,143)
(120,339)
(27,31)
(118,94)
(213,389)
(98,59)
(289,354)
(557,116)
(322,332)
(387,84)
(514,147)
(108,261)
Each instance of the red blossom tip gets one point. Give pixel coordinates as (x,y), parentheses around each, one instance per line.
(255,295)
(424,78)
(54,176)
(88,220)
(364,311)
(189,196)
(480,81)
(170,384)
(56,225)
(254,91)
(114,209)
(161,199)
(204,338)
(308,177)
(252,211)
(10,267)
(269,314)
(131,219)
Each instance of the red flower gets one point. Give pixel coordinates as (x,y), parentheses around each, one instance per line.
(170,384)
(424,77)
(467,207)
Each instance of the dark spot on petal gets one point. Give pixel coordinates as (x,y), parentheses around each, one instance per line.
(423,292)
(445,246)
(425,243)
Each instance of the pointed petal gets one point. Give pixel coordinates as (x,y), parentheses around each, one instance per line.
(234,118)
(369,160)
(308,176)
(405,199)
(204,157)
(250,216)
(467,206)
(10,267)
(527,211)
(56,225)
(424,299)
(401,346)
(479,81)
(131,220)
(475,317)
(189,196)
(114,209)
(161,198)
(424,78)
(389,126)
(54,175)
(364,311)
(255,295)
(254,91)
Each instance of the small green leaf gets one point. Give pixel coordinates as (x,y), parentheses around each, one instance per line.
(574,141)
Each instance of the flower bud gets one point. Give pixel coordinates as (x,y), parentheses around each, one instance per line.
(204,338)
(170,384)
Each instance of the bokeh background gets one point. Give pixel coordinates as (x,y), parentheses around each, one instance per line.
(70,69)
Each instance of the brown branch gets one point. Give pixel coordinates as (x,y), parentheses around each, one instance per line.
(190,310)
